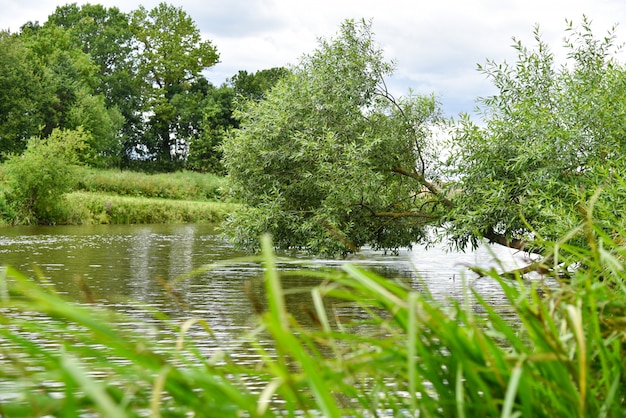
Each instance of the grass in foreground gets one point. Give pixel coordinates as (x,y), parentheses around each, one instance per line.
(411,356)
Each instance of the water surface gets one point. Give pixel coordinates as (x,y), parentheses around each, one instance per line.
(125,266)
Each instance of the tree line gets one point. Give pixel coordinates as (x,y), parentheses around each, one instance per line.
(132,82)
(330,161)
(322,155)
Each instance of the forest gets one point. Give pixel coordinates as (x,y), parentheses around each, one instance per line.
(132,83)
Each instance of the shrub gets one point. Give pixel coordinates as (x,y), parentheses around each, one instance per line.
(38,178)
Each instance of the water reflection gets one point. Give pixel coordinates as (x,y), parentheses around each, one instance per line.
(124,266)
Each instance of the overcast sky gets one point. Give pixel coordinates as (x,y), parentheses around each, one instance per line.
(436,44)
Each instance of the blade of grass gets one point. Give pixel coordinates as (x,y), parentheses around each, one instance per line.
(411,348)
(286,340)
(93,389)
(511,391)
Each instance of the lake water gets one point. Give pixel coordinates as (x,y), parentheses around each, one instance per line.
(124,266)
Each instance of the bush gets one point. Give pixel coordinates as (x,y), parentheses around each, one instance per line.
(38,178)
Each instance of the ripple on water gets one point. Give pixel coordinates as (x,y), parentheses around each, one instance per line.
(125,267)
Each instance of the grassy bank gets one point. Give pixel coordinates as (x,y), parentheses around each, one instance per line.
(113,196)
(104,208)
(400,354)
(186,185)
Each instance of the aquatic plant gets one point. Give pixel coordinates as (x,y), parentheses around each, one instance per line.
(376,348)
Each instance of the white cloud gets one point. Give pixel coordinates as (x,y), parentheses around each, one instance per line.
(436,44)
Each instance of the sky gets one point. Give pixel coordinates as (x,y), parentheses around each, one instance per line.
(436,44)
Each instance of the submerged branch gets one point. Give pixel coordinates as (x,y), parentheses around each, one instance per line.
(541,267)
(494,237)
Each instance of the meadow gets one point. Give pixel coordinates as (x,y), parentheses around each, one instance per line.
(127,197)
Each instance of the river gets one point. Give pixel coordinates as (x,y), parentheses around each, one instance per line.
(125,266)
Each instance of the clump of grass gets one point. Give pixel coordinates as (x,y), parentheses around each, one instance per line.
(185,185)
(99,208)
(402,354)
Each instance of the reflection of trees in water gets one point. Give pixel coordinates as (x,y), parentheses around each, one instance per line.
(157,257)
(181,253)
(140,262)
(121,265)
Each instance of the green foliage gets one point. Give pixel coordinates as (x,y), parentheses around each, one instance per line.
(551,136)
(172,57)
(21,90)
(183,185)
(395,351)
(105,71)
(218,119)
(100,208)
(119,197)
(68,80)
(6,210)
(329,160)
(105,34)
(38,178)
(256,85)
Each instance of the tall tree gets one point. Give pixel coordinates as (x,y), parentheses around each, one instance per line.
(217,121)
(171,57)
(69,79)
(105,35)
(217,114)
(330,160)
(550,138)
(21,92)
(256,85)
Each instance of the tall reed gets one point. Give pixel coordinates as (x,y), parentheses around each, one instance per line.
(399,353)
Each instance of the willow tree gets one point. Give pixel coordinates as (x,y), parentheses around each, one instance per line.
(550,147)
(330,161)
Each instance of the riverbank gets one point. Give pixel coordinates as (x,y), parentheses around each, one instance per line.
(127,197)
(105,208)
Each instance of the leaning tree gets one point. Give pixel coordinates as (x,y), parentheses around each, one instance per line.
(549,148)
(330,161)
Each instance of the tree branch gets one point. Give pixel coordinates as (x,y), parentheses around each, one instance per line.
(496,238)
(422,180)
(396,215)
(541,267)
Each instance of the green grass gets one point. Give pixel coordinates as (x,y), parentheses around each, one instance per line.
(100,208)
(126,197)
(401,354)
(185,185)
(113,196)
